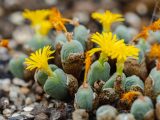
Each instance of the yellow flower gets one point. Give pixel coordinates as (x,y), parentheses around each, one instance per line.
(57,20)
(36,16)
(110,46)
(107,18)
(105,42)
(38,20)
(122,51)
(45,27)
(39,60)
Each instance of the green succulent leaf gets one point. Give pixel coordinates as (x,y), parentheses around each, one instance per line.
(110,83)
(84,98)
(81,34)
(98,71)
(16,66)
(133,81)
(41,76)
(140,107)
(70,47)
(56,85)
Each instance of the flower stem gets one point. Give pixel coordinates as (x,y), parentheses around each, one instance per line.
(120,67)
(49,71)
(106,28)
(102,58)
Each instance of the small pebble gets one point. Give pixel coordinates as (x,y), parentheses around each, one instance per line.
(80,114)
(13,107)
(82,16)
(41,116)
(55,115)
(28,109)
(21,116)
(16,18)
(24,90)
(1,117)
(28,101)
(27,114)
(133,19)
(22,34)
(7,112)
(38,89)
(4,103)
(4,54)
(5,84)
(19,82)
(142,9)
(13,94)
(15,114)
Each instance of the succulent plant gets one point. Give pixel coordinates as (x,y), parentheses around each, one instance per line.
(122,32)
(56,85)
(106,112)
(158,107)
(72,57)
(41,76)
(39,42)
(127,116)
(133,83)
(141,107)
(143,45)
(84,97)
(16,66)
(71,47)
(158,99)
(60,39)
(112,79)
(81,33)
(98,71)
(152,83)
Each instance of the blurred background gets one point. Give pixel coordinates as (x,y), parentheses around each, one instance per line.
(137,13)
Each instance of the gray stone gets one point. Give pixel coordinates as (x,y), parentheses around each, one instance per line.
(41,116)
(5,84)
(28,101)
(20,82)
(7,112)
(28,109)
(22,34)
(80,114)
(4,103)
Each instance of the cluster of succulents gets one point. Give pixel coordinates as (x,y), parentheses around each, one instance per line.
(130,85)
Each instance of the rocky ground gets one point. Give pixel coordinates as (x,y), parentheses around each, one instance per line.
(25,99)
